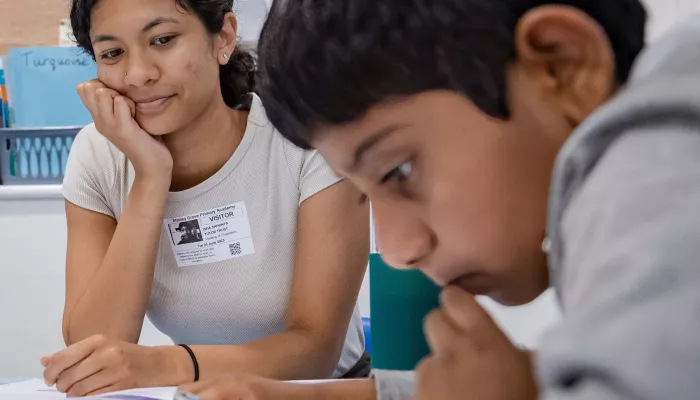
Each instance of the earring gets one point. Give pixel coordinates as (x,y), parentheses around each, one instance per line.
(546,245)
(225,56)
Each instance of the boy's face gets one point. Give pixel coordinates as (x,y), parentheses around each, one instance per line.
(455,193)
(459,194)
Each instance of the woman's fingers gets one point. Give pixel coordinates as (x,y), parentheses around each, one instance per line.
(105,105)
(75,376)
(123,115)
(103,381)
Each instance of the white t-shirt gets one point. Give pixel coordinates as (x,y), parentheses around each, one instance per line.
(226,278)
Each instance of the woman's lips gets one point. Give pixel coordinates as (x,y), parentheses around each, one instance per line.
(152,106)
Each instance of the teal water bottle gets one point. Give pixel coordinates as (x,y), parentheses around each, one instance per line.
(399,302)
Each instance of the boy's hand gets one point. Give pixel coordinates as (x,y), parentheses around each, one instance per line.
(471,358)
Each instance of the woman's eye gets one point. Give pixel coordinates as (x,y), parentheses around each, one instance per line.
(161,41)
(400,174)
(112,54)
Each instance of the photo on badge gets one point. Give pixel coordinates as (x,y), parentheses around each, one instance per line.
(186,232)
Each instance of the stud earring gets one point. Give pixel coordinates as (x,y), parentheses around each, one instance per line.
(225,56)
(546,245)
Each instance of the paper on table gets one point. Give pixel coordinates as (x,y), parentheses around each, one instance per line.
(37,390)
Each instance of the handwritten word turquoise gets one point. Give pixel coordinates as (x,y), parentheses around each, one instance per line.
(55,63)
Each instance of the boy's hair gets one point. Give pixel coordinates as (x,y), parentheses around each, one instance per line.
(329,62)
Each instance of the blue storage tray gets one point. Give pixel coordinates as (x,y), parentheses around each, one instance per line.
(35,156)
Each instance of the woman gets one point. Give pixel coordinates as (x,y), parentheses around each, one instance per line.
(184,203)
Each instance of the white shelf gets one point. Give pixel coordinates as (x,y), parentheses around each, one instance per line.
(30,192)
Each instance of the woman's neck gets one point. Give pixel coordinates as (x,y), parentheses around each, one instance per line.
(203,147)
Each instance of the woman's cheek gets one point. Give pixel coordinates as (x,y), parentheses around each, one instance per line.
(112,77)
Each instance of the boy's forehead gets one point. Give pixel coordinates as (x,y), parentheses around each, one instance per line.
(343,144)
(338,143)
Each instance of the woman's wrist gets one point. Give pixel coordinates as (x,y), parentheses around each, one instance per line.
(160,177)
(173,365)
(147,196)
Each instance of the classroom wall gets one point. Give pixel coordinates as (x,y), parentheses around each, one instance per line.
(30,22)
(32,238)
(32,282)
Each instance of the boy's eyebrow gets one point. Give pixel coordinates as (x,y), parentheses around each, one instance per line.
(369,143)
(146,28)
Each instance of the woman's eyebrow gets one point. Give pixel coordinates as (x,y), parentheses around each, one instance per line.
(152,24)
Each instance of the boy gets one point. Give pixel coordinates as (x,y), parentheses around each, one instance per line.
(507,146)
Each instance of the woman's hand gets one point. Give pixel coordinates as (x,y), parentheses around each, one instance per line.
(113,115)
(100,365)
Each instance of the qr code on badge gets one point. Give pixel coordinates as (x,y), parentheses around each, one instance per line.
(235,249)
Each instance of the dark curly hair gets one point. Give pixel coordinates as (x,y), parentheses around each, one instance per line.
(237,77)
(328,62)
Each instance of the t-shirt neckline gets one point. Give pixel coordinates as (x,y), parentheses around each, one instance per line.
(256,120)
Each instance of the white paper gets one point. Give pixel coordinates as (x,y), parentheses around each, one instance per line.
(65,34)
(211,236)
(318,381)
(36,390)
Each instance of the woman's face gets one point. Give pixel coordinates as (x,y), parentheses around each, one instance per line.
(159,56)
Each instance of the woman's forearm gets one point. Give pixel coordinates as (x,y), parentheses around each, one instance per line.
(115,302)
(290,355)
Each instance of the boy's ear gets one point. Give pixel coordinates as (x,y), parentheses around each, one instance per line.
(570,54)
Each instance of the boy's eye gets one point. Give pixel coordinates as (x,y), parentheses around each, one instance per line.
(112,54)
(400,174)
(163,40)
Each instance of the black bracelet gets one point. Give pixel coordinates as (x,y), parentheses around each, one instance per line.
(194,361)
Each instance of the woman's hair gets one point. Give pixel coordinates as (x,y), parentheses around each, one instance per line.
(237,77)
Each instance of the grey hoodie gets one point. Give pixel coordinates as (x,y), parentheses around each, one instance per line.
(624,225)
(624,229)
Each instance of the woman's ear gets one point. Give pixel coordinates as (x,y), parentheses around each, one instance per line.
(570,54)
(228,38)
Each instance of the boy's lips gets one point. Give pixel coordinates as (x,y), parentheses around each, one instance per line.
(474,283)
